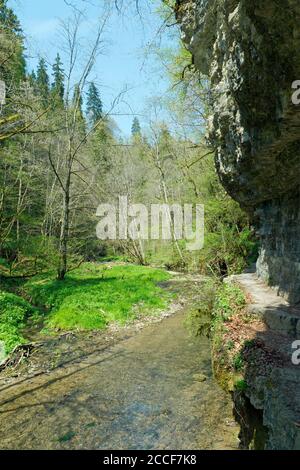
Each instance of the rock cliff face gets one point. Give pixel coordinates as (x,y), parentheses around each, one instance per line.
(250,50)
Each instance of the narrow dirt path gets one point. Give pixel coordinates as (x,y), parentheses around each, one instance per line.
(152,390)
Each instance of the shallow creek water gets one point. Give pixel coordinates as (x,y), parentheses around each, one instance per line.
(145,392)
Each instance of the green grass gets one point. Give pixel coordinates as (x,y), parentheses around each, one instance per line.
(93,296)
(13,314)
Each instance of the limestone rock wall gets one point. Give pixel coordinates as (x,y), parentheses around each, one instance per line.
(250,51)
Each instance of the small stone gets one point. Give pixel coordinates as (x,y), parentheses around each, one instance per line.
(199,377)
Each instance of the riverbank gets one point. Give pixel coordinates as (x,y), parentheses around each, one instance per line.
(92,297)
(252,335)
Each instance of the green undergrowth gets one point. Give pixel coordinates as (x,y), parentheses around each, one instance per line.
(220,305)
(95,295)
(199,320)
(227,358)
(14,311)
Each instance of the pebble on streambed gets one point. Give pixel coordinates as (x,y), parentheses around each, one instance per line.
(199,377)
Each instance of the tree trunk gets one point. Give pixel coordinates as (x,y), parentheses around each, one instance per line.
(64,234)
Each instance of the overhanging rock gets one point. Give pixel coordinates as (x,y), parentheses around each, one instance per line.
(250,50)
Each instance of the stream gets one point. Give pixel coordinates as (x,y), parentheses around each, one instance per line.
(152,390)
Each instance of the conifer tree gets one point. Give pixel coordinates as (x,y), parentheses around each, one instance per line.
(42,81)
(94,107)
(12,61)
(32,79)
(8,19)
(58,87)
(136,127)
(77,100)
(77,103)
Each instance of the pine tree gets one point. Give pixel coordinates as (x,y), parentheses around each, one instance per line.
(77,98)
(8,19)
(94,107)
(42,81)
(32,79)
(136,127)
(12,61)
(77,103)
(58,87)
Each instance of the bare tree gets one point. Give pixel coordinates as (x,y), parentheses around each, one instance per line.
(73,170)
(75,136)
(158,159)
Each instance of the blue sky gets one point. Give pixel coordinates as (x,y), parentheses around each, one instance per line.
(123,63)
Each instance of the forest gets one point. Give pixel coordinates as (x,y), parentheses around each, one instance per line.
(61,156)
(128,342)
(149,226)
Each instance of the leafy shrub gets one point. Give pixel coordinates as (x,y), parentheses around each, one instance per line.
(238,362)
(241,385)
(230,300)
